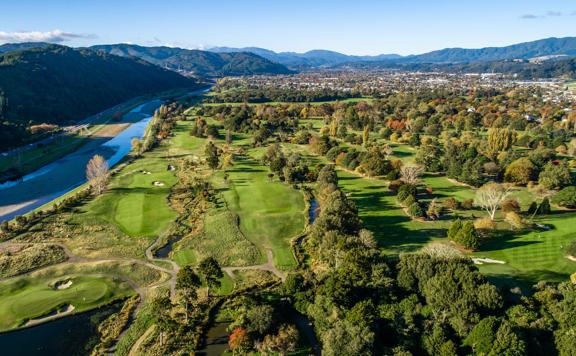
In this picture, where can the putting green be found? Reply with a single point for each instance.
(134, 203)
(26, 298)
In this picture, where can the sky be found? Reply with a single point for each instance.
(361, 27)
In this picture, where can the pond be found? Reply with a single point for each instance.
(71, 335)
(216, 340)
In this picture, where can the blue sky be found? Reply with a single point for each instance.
(353, 26)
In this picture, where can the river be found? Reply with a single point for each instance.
(61, 176)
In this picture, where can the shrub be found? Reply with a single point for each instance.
(484, 224)
(464, 234)
(566, 197)
(415, 210)
(467, 204)
(395, 185)
(532, 208)
(509, 205)
(544, 207)
(451, 203)
(408, 201)
(409, 188)
(515, 220)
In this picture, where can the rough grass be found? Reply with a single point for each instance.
(22, 259)
(222, 239)
(25, 298)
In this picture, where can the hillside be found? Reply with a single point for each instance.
(58, 84)
(198, 62)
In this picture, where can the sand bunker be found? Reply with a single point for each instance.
(481, 261)
(158, 184)
(63, 285)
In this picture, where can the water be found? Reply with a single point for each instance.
(119, 144)
(216, 340)
(165, 250)
(65, 174)
(313, 210)
(67, 336)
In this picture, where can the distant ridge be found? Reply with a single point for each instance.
(314, 58)
(323, 58)
(202, 63)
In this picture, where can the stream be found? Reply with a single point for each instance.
(313, 210)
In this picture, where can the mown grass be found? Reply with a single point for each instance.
(133, 202)
(534, 255)
(270, 213)
(25, 298)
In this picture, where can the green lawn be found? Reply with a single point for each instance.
(536, 255)
(28, 297)
(270, 213)
(133, 202)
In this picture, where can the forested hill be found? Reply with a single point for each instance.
(201, 63)
(522, 69)
(58, 84)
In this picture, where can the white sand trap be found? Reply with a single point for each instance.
(158, 184)
(65, 285)
(571, 258)
(481, 261)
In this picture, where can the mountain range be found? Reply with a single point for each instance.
(314, 58)
(322, 58)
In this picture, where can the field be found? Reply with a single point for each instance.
(25, 298)
(133, 202)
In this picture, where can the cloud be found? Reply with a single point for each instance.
(548, 14)
(529, 17)
(54, 36)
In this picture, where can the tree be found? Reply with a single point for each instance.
(521, 171)
(136, 146)
(365, 135)
(490, 196)
(212, 157)
(411, 173)
(97, 174)
(228, 137)
(498, 140)
(285, 341)
(555, 176)
(211, 272)
(239, 341)
(188, 282)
